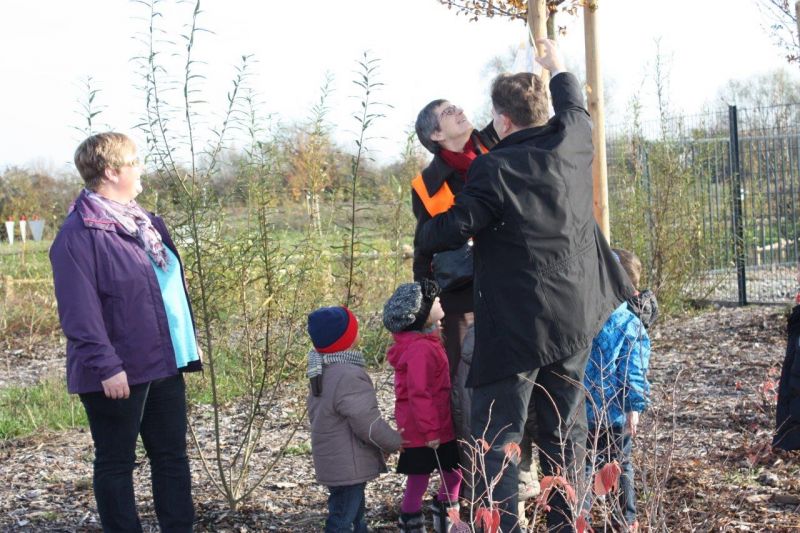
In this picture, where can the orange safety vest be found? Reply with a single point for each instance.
(439, 202)
(443, 199)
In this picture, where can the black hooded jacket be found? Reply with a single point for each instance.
(787, 432)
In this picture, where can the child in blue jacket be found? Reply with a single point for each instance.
(616, 378)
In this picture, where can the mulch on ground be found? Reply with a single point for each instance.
(703, 447)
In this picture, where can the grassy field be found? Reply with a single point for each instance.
(29, 324)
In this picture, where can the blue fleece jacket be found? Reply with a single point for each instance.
(616, 375)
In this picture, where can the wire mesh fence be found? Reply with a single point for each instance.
(710, 202)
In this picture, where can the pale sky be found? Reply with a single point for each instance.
(425, 51)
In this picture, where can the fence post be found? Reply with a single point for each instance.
(736, 196)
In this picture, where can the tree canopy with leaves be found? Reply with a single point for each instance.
(782, 16)
(515, 9)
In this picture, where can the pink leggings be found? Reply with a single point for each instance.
(417, 484)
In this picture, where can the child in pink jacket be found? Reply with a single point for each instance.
(422, 402)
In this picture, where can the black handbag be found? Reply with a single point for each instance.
(453, 269)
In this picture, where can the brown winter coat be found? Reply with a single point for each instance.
(348, 434)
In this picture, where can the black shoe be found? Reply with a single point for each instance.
(411, 523)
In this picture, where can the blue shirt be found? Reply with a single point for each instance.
(181, 329)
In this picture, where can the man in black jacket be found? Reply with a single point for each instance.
(545, 277)
(445, 131)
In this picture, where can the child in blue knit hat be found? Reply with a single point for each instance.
(348, 435)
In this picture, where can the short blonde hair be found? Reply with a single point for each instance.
(631, 264)
(100, 152)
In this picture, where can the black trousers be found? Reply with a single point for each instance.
(157, 412)
(500, 411)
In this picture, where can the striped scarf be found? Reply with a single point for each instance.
(317, 360)
(133, 221)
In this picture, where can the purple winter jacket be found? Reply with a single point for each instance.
(109, 302)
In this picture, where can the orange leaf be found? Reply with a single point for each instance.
(483, 444)
(582, 525)
(511, 450)
(548, 483)
(607, 478)
(569, 492)
(489, 519)
(454, 515)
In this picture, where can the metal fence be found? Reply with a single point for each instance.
(721, 187)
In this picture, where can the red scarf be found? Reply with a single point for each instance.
(460, 160)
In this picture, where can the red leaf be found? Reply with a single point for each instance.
(582, 525)
(548, 483)
(569, 492)
(489, 519)
(607, 478)
(454, 515)
(511, 450)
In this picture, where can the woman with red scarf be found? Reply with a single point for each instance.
(448, 134)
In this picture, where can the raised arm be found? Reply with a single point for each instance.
(564, 87)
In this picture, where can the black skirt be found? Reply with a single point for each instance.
(423, 460)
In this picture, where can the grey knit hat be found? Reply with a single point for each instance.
(409, 306)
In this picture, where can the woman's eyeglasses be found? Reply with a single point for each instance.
(449, 110)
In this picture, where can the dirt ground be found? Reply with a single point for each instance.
(703, 449)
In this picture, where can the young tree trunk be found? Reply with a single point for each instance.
(551, 26)
(594, 81)
(316, 213)
(797, 19)
(537, 25)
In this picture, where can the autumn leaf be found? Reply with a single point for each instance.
(569, 491)
(489, 519)
(453, 515)
(550, 483)
(512, 450)
(582, 525)
(607, 478)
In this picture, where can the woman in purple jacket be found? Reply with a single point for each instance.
(125, 312)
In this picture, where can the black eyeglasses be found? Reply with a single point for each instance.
(449, 110)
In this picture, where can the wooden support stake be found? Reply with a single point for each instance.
(594, 90)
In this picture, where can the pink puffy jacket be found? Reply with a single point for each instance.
(421, 388)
